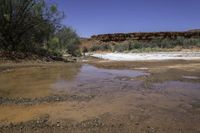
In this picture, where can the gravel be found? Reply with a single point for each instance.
(48, 99)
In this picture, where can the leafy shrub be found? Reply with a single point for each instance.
(65, 40)
(153, 45)
(26, 24)
(122, 47)
(102, 47)
(53, 43)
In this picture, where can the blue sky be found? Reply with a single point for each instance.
(89, 17)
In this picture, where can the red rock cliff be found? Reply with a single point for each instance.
(117, 37)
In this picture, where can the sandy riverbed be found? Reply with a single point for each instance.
(107, 97)
(148, 56)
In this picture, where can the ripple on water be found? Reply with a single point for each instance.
(33, 82)
(93, 77)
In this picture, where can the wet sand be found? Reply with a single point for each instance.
(101, 96)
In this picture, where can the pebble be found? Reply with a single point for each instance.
(58, 125)
(54, 98)
(137, 123)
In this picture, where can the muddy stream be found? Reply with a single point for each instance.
(97, 96)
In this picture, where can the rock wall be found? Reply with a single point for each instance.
(144, 36)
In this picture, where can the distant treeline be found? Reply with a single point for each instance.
(34, 26)
(153, 45)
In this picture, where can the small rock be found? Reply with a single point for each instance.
(58, 99)
(137, 123)
(58, 124)
(37, 121)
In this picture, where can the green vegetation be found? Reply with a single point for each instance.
(65, 40)
(101, 47)
(33, 27)
(147, 46)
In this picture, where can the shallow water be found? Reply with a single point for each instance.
(161, 97)
(43, 81)
(178, 85)
(34, 81)
(91, 77)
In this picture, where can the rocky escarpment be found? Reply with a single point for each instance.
(144, 36)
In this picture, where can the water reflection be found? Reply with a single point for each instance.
(93, 78)
(35, 81)
(43, 81)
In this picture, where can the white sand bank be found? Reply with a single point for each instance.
(148, 56)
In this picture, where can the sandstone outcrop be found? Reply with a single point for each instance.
(144, 36)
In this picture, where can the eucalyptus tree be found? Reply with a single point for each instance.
(27, 24)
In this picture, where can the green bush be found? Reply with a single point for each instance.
(26, 25)
(101, 47)
(153, 45)
(138, 45)
(65, 41)
(122, 47)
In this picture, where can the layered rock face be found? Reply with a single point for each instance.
(144, 36)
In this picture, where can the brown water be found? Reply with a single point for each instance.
(34, 81)
(43, 81)
(91, 78)
(159, 99)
